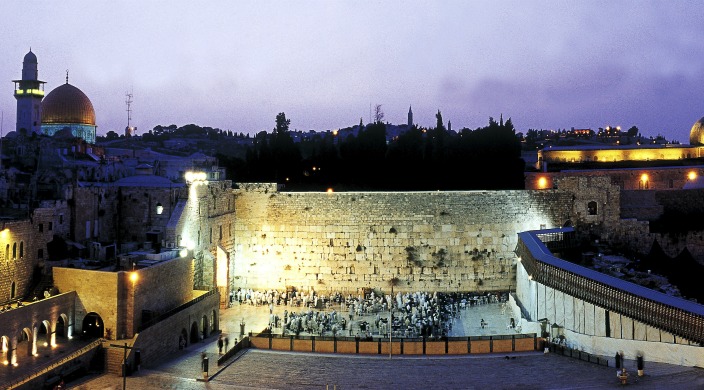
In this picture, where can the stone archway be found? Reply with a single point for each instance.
(194, 333)
(62, 326)
(24, 336)
(204, 327)
(93, 325)
(43, 334)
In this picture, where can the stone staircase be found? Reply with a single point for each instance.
(113, 360)
(44, 284)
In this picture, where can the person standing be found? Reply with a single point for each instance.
(227, 343)
(220, 342)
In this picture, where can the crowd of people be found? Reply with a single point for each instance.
(365, 314)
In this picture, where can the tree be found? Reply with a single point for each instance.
(282, 124)
(378, 114)
(111, 135)
(440, 125)
(633, 131)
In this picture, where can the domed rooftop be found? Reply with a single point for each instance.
(696, 135)
(30, 57)
(67, 104)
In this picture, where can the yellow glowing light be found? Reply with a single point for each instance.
(5, 362)
(519, 259)
(329, 191)
(692, 175)
(530, 277)
(195, 176)
(4, 233)
(542, 182)
(183, 253)
(134, 277)
(644, 177)
(46, 344)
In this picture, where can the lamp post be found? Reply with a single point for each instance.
(392, 282)
(391, 318)
(124, 363)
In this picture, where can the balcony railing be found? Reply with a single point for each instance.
(677, 316)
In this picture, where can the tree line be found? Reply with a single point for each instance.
(418, 159)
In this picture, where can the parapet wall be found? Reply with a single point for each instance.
(430, 241)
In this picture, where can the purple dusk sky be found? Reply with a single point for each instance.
(235, 64)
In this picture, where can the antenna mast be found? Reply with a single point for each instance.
(128, 101)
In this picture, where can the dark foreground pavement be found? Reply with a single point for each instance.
(257, 369)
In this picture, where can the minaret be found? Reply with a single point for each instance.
(410, 117)
(29, 93)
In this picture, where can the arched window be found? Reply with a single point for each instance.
(7, 252)
(592, 208)
(14, 250)
(644, 182)
(21, 249)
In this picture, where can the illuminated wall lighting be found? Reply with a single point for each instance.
(542, 182)
(195, 177)
(692, 175)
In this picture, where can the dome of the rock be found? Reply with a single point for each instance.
(67, 104)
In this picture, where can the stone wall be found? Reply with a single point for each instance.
(445, 241)
(18, 258)
(160, 341)
(206, 225)
(641, 207)
(122, 214)
(163, 286)
(656, 178)
(98, 292)
(120, 300)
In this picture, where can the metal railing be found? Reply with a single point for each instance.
(52, 366)
(677, 316)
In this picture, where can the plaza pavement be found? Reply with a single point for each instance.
(261, 369)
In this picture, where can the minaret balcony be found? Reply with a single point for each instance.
(29, 92)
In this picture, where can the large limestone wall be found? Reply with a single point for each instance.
(444, 241)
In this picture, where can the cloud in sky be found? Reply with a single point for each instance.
(235, 65)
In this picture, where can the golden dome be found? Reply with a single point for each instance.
(67, 104)
(696, 135)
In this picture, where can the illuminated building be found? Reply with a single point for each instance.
(667, 167)
(66, 108)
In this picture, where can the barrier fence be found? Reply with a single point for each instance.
(398, 346)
